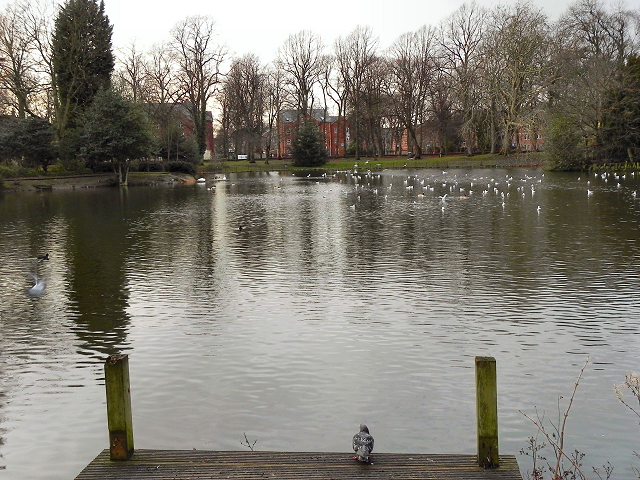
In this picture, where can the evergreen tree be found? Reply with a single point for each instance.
(29, 141)
(564, 147)
(82, 59)
(117, 131)
(621, 123)
(308, 147)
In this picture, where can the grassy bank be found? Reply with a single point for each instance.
(380, 163)
(57, 180)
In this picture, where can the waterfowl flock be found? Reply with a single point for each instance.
(522, 188)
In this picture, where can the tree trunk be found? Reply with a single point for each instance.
(123, 173)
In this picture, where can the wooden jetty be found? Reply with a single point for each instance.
(209, 465)
(122, 462)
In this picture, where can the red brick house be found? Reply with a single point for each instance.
(426, 134)
(528, 141)
(186, 121)
(335, 129)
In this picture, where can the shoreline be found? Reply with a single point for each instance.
(136, 179)
(98, 180)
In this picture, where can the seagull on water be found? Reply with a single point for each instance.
(38, 287)
(362, 444)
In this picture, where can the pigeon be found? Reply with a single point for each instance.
(362, 444)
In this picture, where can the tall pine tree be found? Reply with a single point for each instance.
(82, 59)
(621, 119)
(309, 146)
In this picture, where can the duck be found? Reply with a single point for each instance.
(43, 257)
(362, 444)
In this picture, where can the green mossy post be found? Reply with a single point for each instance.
(116, 372)
(487, 412)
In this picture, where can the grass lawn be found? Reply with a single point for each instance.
(380, 163)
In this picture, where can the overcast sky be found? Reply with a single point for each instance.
(261, 26)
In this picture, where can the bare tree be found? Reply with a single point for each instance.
(199, 60)
(355, 56)
(20, 69)
(163, 96)
(274, 99)
(132, 76)
(411, 66)
(301, 59)
(244, 90)
(594, 44)
(517, 50)
(375, 106)
(461, 43)
(38, 22)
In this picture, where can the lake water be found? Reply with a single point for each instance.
(344, 299)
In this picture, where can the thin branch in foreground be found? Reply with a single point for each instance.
(247, 443)
(558, 444)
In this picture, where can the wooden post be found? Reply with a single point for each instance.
(116, 372)
(487, 412)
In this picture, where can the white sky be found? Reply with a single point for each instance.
(261, 27)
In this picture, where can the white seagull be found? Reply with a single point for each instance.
(38, 287)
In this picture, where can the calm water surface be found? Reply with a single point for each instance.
(345, 299)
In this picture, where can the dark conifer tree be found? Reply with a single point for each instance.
(621, 123)
(309, 146)
(82, 59)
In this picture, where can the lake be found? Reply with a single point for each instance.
(344, 299)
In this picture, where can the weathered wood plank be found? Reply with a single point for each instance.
(487, 412)
(207, 465)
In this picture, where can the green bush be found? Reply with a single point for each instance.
(6, 172)
(102, 167)
(56, 169)
(564, 146)
(148, 166)
(180, 167)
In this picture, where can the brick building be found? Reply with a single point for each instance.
(335, 129)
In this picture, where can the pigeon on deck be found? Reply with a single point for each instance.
(362, 444)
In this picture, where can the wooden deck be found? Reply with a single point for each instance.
(203, 465)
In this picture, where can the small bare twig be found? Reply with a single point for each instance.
(632, 382)
(247, 443)
(608, 470)
(556, 439)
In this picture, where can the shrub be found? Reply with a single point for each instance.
(149, 166)
(180, 167)
(564, 147)
(102, 167)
